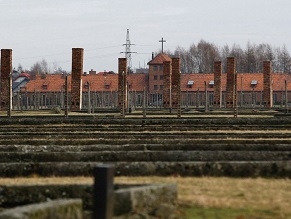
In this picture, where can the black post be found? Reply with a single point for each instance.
(103, 192)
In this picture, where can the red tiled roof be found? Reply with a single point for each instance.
(138, 81)
(159, 59)
(198, 81)
(23, 74)
(54, 83)
(98, 82)
(244, 81)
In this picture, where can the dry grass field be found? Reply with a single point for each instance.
(207, 197)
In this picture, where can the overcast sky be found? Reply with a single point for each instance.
(49, 29)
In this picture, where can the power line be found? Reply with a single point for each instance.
(127, 51)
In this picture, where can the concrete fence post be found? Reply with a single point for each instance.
(66, 98)
(103, 196)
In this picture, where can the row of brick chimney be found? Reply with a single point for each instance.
(171, 81)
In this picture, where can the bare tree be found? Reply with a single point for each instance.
(200, 57)
(20, 68)
(284, 60)
(238, 53)
(249, 58)
(39, 68)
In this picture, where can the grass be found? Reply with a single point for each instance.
(228, 213)
(208, 197)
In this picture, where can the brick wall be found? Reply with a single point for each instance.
(167, 85)
(217, 84)
(176, 83)
(6, 69)
(156, 80)
(230, 82)
(267, 87)
(122, 79)
(76, 85)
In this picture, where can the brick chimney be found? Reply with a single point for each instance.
(217, 84)
(122, 88)
(167, 84)
(230, 82)
(176, 83)
(6, 69)
(76, 85)
(268, 91)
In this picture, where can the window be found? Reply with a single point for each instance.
(139, 99)
(86, 85)
(190, 84)
(45, 85)
(155, 67)
(161, 68)
(155, 87)
(254, 83)
(161, 87)
(211, 83)
(161, 77)
(107, 85)
(155, 77)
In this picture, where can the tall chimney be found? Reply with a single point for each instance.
(76, 85)
(6, 69)
(230, 82)
(268, 91)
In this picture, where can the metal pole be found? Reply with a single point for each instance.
(103, 195)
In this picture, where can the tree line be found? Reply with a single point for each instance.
(41, 67)
(200, 57)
